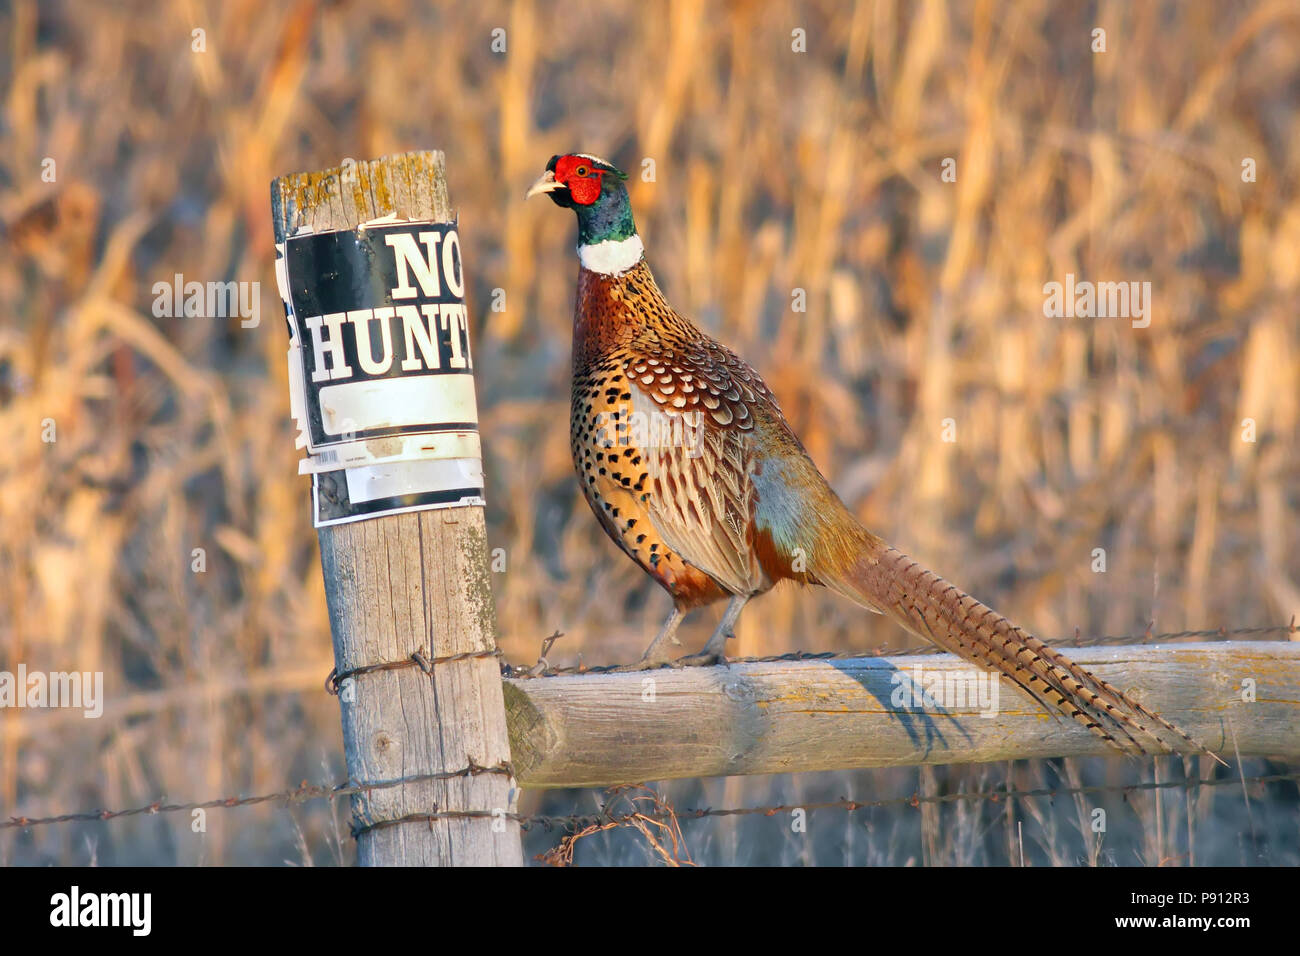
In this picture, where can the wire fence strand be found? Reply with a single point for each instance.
(299, 794)
(544, 669)
(305, 792)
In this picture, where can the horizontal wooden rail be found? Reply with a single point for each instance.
(790, 716)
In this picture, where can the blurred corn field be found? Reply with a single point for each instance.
(798, 153)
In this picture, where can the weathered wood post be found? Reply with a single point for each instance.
(382, 388)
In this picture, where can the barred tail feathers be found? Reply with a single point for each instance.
(887, 580)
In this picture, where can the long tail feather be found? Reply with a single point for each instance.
(924, 603)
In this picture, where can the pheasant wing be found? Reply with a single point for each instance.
(696, 404)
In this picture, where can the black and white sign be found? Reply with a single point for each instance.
(381, 369)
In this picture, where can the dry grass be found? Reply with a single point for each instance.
(775, 170)
(635, 808)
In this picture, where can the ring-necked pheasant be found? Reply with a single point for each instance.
(691, 468)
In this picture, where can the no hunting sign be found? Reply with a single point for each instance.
(380, 368)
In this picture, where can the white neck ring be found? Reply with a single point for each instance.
(612, 257)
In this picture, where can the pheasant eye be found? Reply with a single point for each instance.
(581, 170)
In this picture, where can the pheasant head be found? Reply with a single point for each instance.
(596, 191)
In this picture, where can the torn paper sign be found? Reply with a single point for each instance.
(353, 494)
(380, 367)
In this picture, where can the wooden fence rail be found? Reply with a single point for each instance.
(1240, 698)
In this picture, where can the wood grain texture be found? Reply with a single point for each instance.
(411, 582)
(786, 717)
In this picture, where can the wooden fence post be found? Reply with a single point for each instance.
(414, 585)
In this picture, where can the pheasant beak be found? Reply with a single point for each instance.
(547, 183)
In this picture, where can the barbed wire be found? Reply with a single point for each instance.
(305, 792)
(577, 821)
(300, 794)
(544, 669)
(334, 682)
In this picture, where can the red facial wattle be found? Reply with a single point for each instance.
(582, 178)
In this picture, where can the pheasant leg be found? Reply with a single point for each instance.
(715, 650)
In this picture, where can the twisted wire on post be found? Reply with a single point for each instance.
(335, 679)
